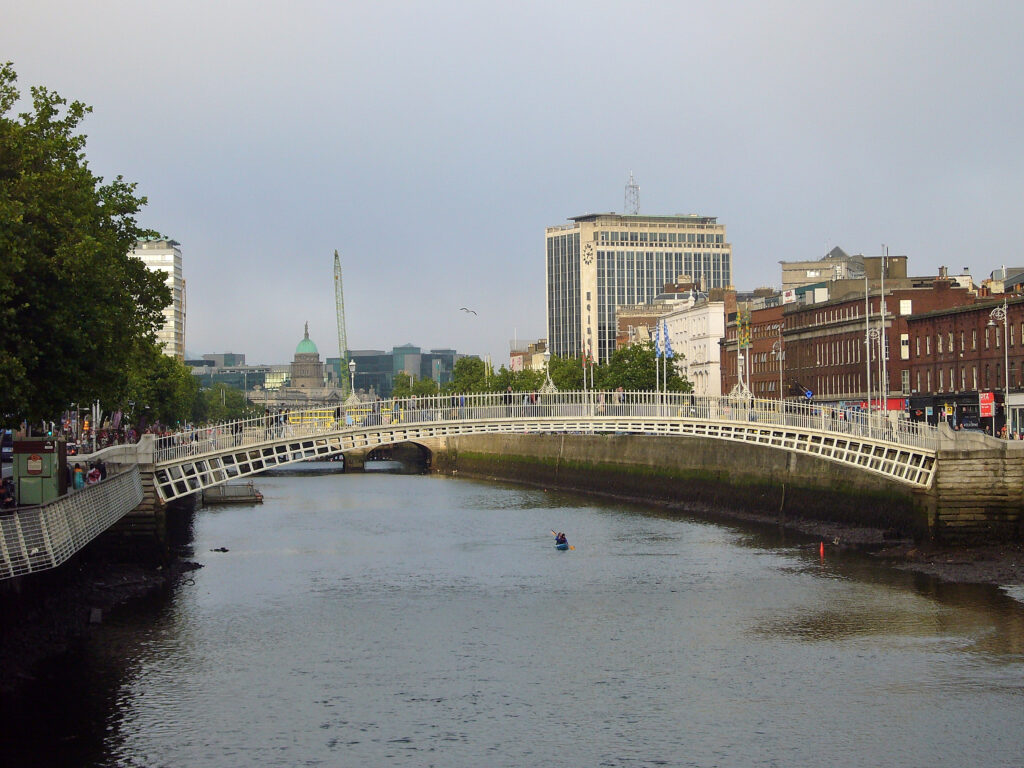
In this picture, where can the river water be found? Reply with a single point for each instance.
(378, 620)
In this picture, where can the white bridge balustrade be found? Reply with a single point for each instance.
(189, 461)
(35, 539)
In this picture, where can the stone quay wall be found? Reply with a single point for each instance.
(977, 494)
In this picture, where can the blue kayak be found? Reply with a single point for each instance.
(562, 546)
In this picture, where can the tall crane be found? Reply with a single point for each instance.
(339, 302)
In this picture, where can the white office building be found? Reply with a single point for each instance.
(605, 260)
(162, 255)
(695, 330)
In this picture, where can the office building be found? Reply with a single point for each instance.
(164, 255)
(603, 261)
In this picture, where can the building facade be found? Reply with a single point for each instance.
(696, 329)
(164, 255)
(602, 261)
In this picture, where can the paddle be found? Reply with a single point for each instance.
(571, 547)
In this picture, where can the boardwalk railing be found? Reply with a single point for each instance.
(592, 410)
(35, 539)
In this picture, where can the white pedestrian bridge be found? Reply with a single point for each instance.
(192, 460)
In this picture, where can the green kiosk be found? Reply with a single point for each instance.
(40, 470)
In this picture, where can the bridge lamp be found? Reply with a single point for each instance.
(352, 374)
(999, 315)
(777, 351)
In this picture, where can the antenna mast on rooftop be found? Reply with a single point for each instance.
(631, 206)
(339, 303)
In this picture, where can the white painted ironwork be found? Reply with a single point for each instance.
(35, 539)
(190, 461)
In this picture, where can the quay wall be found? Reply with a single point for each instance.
(693, 473)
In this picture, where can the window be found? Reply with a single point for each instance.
(974, 339)
(938, 343)
(928, 348)
(904, 346)
(917, 346)
(905, 381)
(951, 342)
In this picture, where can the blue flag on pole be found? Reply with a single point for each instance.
(668, 342)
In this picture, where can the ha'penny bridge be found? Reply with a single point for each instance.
(969, 483)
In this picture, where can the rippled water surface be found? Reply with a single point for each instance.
(377, 620)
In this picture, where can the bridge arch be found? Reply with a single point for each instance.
(191, 461)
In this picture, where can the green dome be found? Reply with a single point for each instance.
(306, 347)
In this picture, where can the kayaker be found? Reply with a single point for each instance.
(560, 538)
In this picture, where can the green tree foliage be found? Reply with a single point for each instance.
(566, 373)
(160, 388)
(222, 403)
(632, 368)
(470, 374)
(73, 304)
(401, 385)
(424, 388)
(520, 381)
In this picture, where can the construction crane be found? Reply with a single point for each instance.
(339, 302)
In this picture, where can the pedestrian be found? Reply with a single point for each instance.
(79, 476)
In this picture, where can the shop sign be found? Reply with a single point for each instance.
(34, 464)
(985, 404)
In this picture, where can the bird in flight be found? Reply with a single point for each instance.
(464, 309)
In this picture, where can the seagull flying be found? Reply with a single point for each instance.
(464, 309)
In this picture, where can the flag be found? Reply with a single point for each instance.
(668, 342)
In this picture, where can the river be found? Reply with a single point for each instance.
(377, 620)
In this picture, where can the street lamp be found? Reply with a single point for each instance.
(777, 351)
(549, 385)
(999, 315)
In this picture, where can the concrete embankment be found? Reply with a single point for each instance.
(693, 474)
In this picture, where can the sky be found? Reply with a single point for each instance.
(432, 143)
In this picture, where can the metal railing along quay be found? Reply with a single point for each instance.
(595, 411)
(35, 539)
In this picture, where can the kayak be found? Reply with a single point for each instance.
(562, 546)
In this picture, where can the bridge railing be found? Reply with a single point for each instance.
(588, 411)
(38, 538)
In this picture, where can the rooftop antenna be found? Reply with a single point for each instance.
(631, 207)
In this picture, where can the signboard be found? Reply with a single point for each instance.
(34, 464)
(788, 297)
(986, 402)
(949, 409)
(928, 411)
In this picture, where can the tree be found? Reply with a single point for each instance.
(424, 387)
(469, 375)
(401, 385)
(161, 388)
(566, 372)
(73, 303)
(222, 403)
(632, 368)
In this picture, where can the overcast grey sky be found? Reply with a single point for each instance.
(431, 143)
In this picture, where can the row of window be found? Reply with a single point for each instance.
(662, 237)
(944, 342)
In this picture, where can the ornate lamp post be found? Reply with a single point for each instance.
(353, 399)
(548, 386)
(999, 315)
(777, 351)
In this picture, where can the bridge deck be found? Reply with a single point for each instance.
(191, 461)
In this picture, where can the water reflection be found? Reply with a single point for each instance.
(390, 619)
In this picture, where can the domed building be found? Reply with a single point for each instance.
(307, 369)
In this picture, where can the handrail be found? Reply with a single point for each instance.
(38, 538)
(593, 406)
